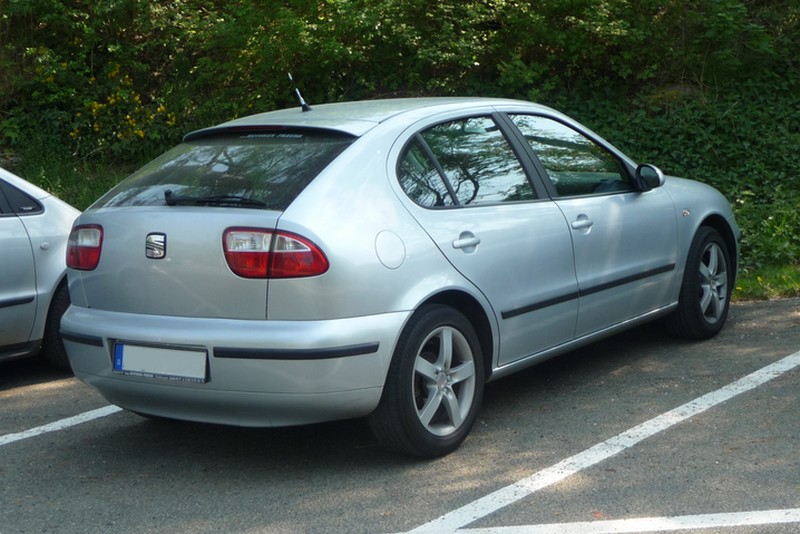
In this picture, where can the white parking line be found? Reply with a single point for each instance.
(512, 493)
(461, 517)
(653, 524)
(59, 425)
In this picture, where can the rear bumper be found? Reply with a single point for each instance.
(258, 373)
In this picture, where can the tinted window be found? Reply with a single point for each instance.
(477, 163)
(18, 202)
(270, 169)
(575, 164)
(5, 209)
(420, 179)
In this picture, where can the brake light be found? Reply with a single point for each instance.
(260, 253)
(84, 246)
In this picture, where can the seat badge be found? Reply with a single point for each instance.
(155, 246)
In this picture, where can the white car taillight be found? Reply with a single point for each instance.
(84, 246)
(260, 253)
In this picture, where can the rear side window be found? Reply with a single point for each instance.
(420, 179)
(12, 200)
(255, 169)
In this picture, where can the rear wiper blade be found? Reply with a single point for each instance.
(214, 200)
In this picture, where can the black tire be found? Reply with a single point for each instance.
(432, 396)
(52, 344)
(706, 288)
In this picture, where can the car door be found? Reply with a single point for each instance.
(625, 240)
(476, 202)
(17, 278)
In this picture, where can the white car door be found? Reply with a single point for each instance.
(625, 255)
(476, 202)
(625, 241)
(17, 280)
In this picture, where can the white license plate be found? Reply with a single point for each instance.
(174, 364)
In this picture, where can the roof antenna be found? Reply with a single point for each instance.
(303, 104)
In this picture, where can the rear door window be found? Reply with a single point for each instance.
(463, 162)
(252, 169)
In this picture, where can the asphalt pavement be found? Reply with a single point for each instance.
(541, 457)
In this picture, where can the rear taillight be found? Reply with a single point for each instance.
(259, 253)
(84, 246)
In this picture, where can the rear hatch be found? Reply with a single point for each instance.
(162, 234)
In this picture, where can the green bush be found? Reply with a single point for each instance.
(703, 89)
(742, 141)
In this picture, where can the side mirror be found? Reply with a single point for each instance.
(649, 177)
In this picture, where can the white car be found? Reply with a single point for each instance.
(34, 227)
(381, 259)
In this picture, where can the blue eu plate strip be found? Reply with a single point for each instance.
(118, 349)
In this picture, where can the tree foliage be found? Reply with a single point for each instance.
(120, 75)
(703, 88)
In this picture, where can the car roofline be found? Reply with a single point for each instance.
(353, 118)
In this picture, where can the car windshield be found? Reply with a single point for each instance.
(265, 170)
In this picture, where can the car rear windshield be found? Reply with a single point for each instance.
(251, 169)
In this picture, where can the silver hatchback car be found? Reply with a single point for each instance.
(381, 259)
(34, 227)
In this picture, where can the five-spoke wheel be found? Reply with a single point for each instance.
(706, 288)
(434, 387)
(713, 291)
(444, 381)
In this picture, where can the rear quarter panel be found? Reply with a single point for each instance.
(380, 259)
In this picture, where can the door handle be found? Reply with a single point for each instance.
(467, 242)
(583, 222)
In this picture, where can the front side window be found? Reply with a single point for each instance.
(255, 169)
(575, 164)
(474, 164)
